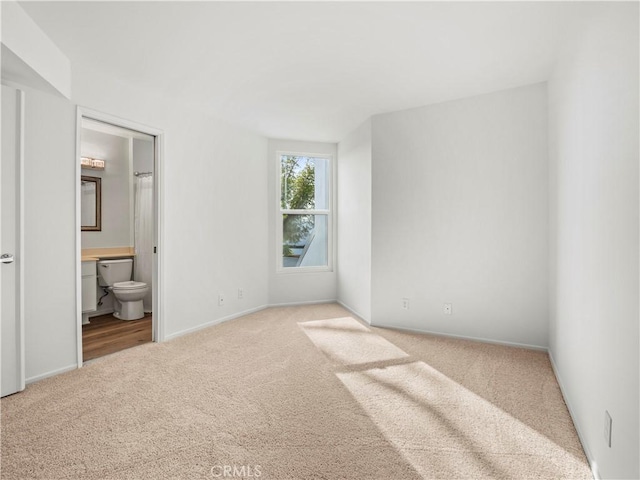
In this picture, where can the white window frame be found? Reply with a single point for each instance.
(328, 212)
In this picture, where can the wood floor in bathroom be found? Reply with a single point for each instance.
(106, 334)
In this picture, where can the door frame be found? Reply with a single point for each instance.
(157, 287)
(19, 253)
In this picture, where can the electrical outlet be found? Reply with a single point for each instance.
(447, 309)
(607, 428)
(221, 299)
(405, 304)
(240, 293)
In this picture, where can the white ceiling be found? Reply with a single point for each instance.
(310, 71)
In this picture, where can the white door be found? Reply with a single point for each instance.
(11, 307)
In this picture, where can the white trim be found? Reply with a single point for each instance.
(463, 337)
(320, 302)
(355, 312)
(581, 437)
(52, 373)
(158, 295)
(215, 322)
(78, 243)
(305, 212)
(329, 268)
(301, 270)
(218, 321)
(157, 283)
(118, 121)
(21, 235)
(310, 302)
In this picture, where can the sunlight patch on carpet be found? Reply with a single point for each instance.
(346, 341)
(438, 425)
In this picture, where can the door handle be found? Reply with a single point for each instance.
(6, 258)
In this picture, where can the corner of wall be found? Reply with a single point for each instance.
(31, 57)
(595, 236)
(354, 221)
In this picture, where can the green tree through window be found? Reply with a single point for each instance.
(298, 193)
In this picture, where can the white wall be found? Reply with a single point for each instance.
(354, 221)
(294, 287)
(214, 176)
(594, 154)
(142, 155)
(215, 219)
(117, 219)
(460, 216)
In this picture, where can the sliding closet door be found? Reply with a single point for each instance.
(11, 314)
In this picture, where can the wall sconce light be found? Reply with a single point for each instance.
(92, 163)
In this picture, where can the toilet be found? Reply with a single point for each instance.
(128, 295)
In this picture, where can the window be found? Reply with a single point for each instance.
(304, 213)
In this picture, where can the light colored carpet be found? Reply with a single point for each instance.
(298, 392)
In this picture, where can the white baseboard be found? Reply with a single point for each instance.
(217, 321)
(310, 302)
(241, 314)
(355, 312)
(590, 459)
(464, 337)
(52, 373)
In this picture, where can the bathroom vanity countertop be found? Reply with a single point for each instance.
(95, 254)
(95, 258)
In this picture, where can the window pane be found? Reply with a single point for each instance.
(304, 183)
(304, 240)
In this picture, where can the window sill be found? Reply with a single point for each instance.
(295, 270)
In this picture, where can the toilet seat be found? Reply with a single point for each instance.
(128, 285)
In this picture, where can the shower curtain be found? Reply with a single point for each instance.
(144, 235)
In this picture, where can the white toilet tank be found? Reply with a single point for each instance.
(113, 271)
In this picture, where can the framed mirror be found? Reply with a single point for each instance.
(90, 204)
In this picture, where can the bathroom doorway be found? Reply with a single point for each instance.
(118, 210)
